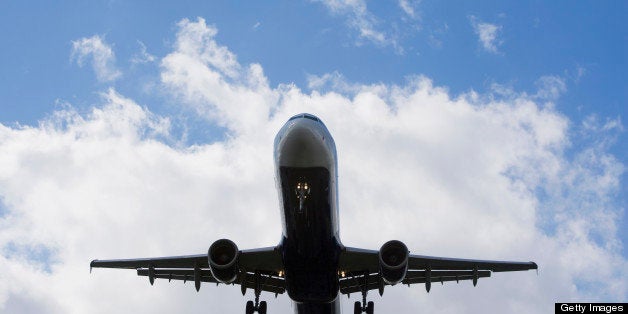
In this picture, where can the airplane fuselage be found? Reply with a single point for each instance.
(306, 177)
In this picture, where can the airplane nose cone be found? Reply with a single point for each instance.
(305, 143)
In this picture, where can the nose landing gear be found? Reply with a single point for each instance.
(302, 190)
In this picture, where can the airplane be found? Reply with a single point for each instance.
(310, 262)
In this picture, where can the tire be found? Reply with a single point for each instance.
(370, 308)
(262, 307)
(249, 307)
(357, 307)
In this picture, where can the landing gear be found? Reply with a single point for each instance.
(303, 191)
(369, 309)
(359, 307)
(259, 307)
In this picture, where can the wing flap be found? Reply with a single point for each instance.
(178, 274)
(412, 274)
(268, 283)
(445, 277)
(354, 284)
(188, 261)
(445, 263)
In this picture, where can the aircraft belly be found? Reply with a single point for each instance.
(312, 286)
(307, 208)
(310, 248)
(317, 308)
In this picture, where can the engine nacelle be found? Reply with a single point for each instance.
(393, 261)
(223, 260)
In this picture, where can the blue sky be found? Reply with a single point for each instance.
(549, 77)
(585, 43)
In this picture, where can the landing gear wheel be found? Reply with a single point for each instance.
(257, 306)
(249, 307)
(370, 308)
(262, 307)
(357, 307)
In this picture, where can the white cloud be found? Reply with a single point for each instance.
(143, 56)
(360, 18)
(461, 176)
(101, 55)
(550, 87)
(336, 82)
(409, 8)
(207, 77)
(487, 34)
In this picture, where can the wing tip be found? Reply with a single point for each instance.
(91, 265)
(534, 265)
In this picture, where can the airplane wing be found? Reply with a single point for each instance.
(265, 263)
(361, 270)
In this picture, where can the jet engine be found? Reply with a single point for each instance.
(393, 261)
(223, 260)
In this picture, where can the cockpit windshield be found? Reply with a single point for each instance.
(305, 115)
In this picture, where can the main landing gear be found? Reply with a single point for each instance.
(259, 307)
(357, 308)
(369, 307)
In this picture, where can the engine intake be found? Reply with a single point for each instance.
(393, 261)
(222, 257)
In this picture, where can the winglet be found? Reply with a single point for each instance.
(91, 265)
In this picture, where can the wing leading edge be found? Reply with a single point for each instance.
(360, 270)
(262, 265)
